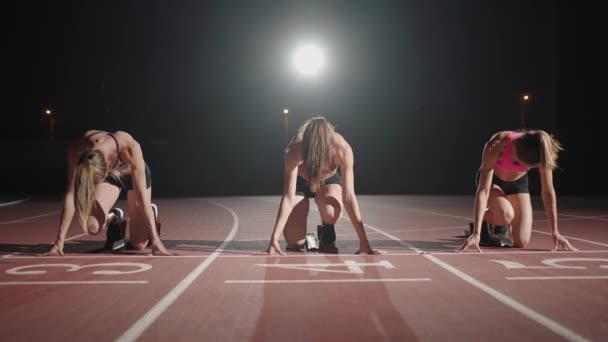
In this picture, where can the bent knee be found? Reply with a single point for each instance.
(139, 246)
(521, 243)
(294, 239)
(330, 213)
(93, 227)
(503, 216)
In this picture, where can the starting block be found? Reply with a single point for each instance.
(311, 243)
(122, 244)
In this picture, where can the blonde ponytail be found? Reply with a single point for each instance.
(91, 170)
(549, 148)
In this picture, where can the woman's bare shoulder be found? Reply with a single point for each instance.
(340, 142)
(124, 135)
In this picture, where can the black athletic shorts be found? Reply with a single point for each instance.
(126, 183)
(303, 188)
(518, 186)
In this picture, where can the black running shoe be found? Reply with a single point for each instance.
(115, 232)
(327, 238)
(500, 236)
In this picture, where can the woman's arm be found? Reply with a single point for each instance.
(67, 212)
(491, 151)
(287, 200)
(350, 199)
(133, 156)
(550, 203)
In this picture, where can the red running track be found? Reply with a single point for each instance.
(219, 288)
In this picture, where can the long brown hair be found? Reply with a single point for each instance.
(91, 170)
(537, 147)
(317, 143)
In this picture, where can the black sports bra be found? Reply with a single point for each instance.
(87, 141)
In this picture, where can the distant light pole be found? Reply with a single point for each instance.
(524, 101)
(49, 114)
(286, 125)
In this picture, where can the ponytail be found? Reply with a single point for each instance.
(549, 148)
(91, 170)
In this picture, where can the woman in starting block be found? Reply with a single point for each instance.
(503, 209)
(99, 167)
(311, 164)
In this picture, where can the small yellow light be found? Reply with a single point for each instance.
(526, 97)
(47, 112)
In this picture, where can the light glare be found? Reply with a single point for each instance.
(309, 60)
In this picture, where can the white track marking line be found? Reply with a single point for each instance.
(309, 281)
(574, 238)
(558, 278)
(68, 239)
(538, 231)
(97, 282)
(508, 301)
(303, 255)
(138, 328)
(593, 217)
(6, 204)
(29, 218)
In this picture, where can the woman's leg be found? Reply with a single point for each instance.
(521, 224)
(295, 228)
(329, 202)
(106, 195)
(501, 210)
(138, 223)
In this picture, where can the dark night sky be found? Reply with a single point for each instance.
(416, 87)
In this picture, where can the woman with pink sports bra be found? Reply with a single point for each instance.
(503, 200)
(100, 166)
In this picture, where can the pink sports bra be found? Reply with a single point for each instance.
(506, 163)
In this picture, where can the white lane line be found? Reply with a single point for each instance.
(50, 243)
(309, 281)
(593, 217)
(508, 301)
(302, 255)
(534, 230)
(6, 204)
(31, 217)
(486, 252)
(574, 238)
(558, 278)
(138, 328)
(98, 282)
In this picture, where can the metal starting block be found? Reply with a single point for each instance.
(312, 243)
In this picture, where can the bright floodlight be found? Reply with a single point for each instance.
(47, 112)
(285, 111)
(526, 97)
(309, 60)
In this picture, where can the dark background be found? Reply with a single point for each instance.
(416, 87)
